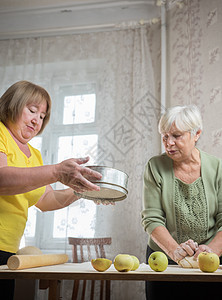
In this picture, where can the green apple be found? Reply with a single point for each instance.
(208, 262)
(123, 262)
(136, 263)
(158, 261)
(101, 264)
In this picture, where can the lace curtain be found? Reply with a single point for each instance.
(127, 67)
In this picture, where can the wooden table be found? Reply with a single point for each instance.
(73, 271)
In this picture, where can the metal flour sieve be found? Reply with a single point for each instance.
(113, 185)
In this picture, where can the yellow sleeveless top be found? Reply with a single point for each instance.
(14, 208)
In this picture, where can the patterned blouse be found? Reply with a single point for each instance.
(191, 211)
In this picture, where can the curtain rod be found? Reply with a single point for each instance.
(76, 29)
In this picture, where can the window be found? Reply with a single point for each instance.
(30, 229)
(79, 109)
(76, 220)
(78, 145)
(72, 132)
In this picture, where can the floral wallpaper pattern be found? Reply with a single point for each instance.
(195, 64)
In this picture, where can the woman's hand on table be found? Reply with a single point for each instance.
(71, 173)
(202, 248)
(190, 248)
(187, 248)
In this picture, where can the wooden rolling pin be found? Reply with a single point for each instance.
(18, 262)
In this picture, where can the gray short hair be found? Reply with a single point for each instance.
(185, 118)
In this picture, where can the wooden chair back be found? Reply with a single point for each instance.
(95, 247)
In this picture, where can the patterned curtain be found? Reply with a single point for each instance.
(127, 64)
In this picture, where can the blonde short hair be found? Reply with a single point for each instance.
(20, 94)
(185, 118)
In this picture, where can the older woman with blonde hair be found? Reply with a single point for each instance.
(182, 202)
(24, 181)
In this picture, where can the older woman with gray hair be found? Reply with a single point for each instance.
(182, 202)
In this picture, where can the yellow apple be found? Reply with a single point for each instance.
(158, 261)
(208, 262)
(101, 264)
(123, 262)
(136, 263)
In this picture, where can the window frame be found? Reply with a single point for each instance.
(44, 220)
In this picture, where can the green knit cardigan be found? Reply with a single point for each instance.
(159, 196)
